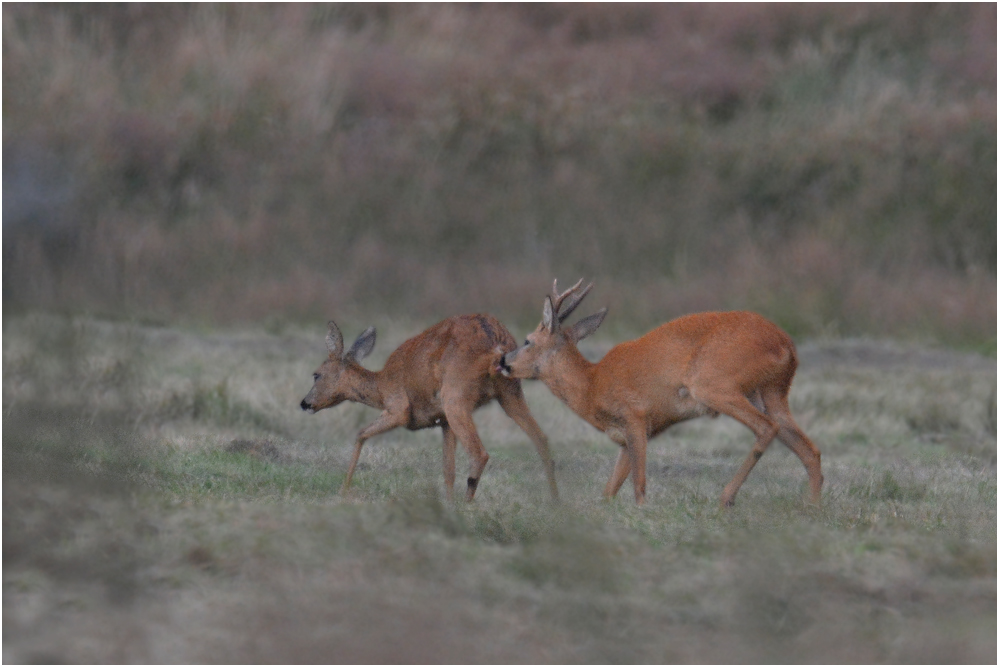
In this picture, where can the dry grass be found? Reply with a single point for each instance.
(165, 500)
(834, 167)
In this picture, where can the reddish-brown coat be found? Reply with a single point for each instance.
(437, 378)
(737, 363)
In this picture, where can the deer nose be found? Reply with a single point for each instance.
(304, 406)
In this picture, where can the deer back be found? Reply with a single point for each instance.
(464, 349)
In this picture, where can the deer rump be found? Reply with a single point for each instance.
(462, 350)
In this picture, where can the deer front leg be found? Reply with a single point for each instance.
(636, 448)
(622, 468)
(385, 422)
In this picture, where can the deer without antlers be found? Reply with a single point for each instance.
(435, 379)
(737, 363)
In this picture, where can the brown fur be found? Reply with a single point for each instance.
(737, 363)
(437, 378)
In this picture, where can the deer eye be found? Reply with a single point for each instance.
(315, 377)
(527, 343)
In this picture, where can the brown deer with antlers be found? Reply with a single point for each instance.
(737, 363)
(436, 379)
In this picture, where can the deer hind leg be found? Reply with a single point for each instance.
(631, 459)
(792, 436)
(514, 405)
(449, 461)
(740, 408)
(459, 417)
(465, 430)
(383, 423)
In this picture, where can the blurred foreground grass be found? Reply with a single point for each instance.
(165, 500)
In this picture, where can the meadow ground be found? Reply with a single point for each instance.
(166, 501)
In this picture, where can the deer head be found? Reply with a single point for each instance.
(534, 359)
(335, 381)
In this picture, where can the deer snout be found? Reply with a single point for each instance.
(307, 407)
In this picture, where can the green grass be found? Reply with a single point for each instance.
(138, 529)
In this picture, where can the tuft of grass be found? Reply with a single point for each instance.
(214, 403)
(885, 487)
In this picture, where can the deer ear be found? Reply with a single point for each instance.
(548, 316)
(588, 325)
(362, 346)
(334, 339)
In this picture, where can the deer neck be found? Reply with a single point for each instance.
(365, 388)
(570, 378)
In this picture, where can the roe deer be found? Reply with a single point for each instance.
(737, 363)
(435, 379)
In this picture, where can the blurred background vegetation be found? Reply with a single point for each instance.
(831, 166)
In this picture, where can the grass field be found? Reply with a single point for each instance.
(190, 191)
(166, 501)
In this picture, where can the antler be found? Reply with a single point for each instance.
(574, 301)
